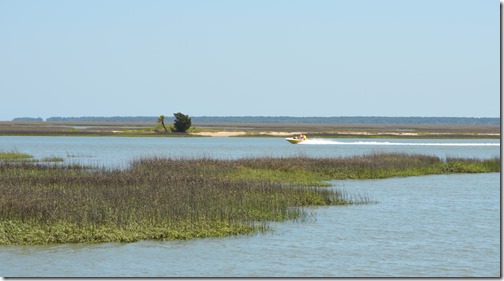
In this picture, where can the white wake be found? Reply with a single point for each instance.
(386, 143)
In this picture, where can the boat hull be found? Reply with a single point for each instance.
(294, 141)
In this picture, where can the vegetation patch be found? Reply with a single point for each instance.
(166, 199)
(23, 157)
(314, 171)
(14, 156)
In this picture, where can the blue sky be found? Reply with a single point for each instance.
(249, 58)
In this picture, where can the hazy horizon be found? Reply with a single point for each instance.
(254, 116)
(321, 58)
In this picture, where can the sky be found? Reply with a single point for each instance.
(433, 58)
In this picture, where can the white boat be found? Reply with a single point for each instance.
(297, 139)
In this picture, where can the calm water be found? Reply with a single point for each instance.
(430, 226)
(119, 151)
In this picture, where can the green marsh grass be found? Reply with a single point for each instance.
(15, 156)
(166, 199)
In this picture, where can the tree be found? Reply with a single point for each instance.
(161, 120)
(182, 122)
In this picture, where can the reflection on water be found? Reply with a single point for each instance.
(430, 226)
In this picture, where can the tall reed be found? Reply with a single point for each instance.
(160, 198)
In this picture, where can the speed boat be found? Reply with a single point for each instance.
(297, 139)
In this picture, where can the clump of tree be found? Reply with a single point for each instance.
(182, 122)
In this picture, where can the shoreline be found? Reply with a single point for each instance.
(9, 128)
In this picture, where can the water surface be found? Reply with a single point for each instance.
(429, 226)
(119, 151)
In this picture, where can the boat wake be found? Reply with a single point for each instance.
(386, 143)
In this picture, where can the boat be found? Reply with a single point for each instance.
(297, 139)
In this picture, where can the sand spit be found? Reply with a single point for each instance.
(243, 133)
(219, 134)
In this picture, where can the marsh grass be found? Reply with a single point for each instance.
(15, 156)
(314, 171)
(167, 199)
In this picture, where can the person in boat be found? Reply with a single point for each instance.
(300, 137)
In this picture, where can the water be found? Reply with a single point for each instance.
(119, 151)
(429, 226)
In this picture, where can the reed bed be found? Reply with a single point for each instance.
(313, 171)
(14, 156)
(164, 199)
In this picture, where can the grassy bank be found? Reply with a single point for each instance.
(186, 198)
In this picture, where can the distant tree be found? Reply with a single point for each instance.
(30, 119)
(161, 119)
(182, 122)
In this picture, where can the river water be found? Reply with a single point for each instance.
(429, 226)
